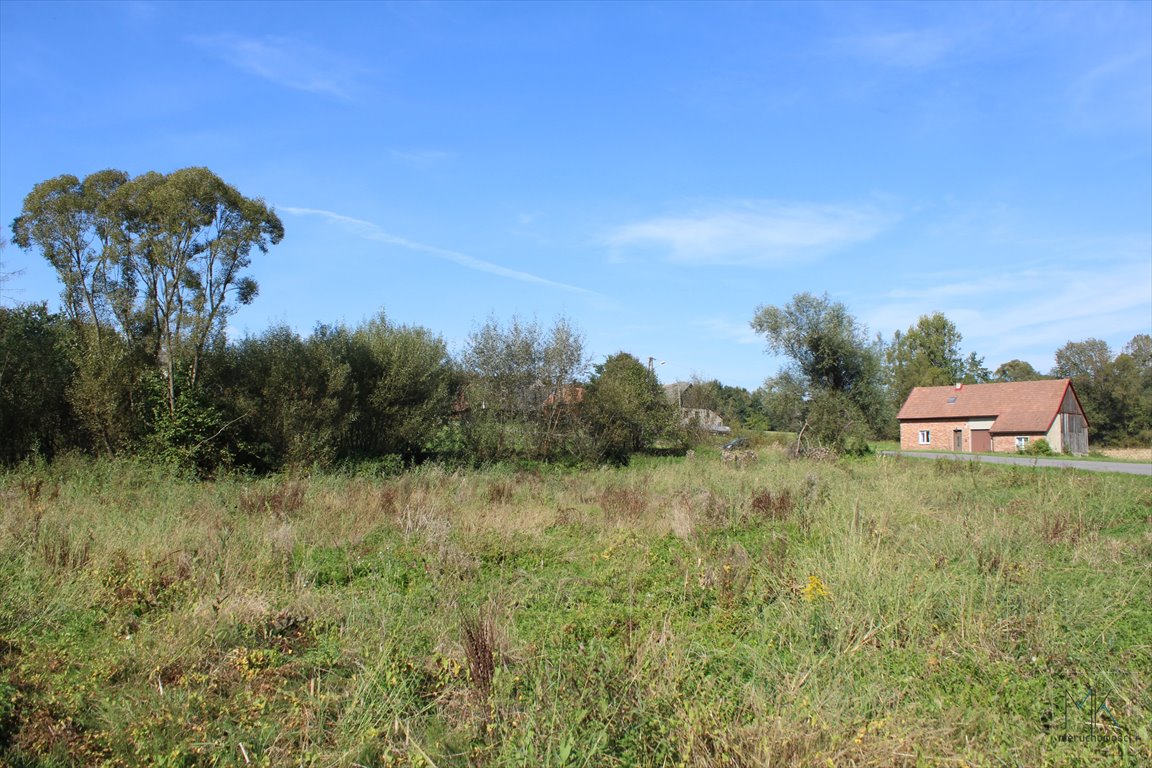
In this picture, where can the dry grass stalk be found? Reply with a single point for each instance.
(478, 635)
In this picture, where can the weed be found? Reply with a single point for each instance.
(1061, 526)
(500, 491)
(478, 635)
(773, 506)
(623, 503)
(63, 550)
(280, 501)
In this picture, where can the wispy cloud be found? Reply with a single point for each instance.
(727, 329)
(285, 61)
(757, 233)
(909, 49)
(369, 231)
(1115, 94)
(1038, 307)
(139, 10)
(421, 157)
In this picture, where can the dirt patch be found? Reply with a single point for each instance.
(1130, 454)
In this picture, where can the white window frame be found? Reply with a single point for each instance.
(925, 437)
(1022, 442)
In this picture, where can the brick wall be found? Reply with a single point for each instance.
(941, 435)
(1007, 443)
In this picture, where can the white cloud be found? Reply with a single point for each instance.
(369, 231)
(286, 62)
(756, 233)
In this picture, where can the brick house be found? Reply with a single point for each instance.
(1003, 417)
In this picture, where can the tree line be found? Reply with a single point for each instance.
(137, 360)
(847, 387)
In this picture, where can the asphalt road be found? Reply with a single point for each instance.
(1029, 461)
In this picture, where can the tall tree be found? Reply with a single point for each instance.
(1115, 391)
(825, 342)
(158, 259)
(405, 384)
(927, 355)
(72, 224)
(520, 385)
(626, 409)
(35, 417)
(1084, 360)
(294, 397)
(1016, 370)
(831, 355)
(1138, 391)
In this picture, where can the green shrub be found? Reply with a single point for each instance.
(1038, 448)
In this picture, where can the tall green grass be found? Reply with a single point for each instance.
(679, 612)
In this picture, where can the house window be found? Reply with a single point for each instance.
(925, 437)
(1021, 443)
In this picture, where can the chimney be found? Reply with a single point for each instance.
(959, 386)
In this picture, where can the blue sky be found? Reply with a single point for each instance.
(652, 171)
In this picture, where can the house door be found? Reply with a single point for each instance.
(981, 441)
(957, 440)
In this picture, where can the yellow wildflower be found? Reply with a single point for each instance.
(815, 589)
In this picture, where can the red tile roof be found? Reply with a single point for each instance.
(1018, 406)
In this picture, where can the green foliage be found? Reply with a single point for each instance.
(831, 355)
(106, 389)
(294, 398)
(340, 395)
(153, 263)
(828, 346)
(1116, 392)
(522, 390)
(835, 421)
(1016, 370)
(406, 384)
(928, 355)
(625, 409)
(185, 436)
(1038, 447)
(782, 401)
(35, 416)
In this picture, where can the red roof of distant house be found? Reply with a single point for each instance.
(569, 394)
(1018, 406)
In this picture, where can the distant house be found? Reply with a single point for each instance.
(697, 418)
(702, 418)
(994, 417)
(568, 395)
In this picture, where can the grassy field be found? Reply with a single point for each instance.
(678, 612)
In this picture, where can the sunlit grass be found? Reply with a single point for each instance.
(679, 611)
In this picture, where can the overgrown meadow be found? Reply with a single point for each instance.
(675, 612)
